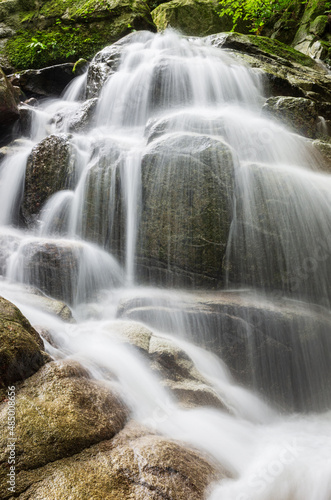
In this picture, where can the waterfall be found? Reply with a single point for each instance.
(186, 211)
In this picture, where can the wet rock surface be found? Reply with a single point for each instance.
(49, 169)
(21, 348)
(261, 341)
(191, 175)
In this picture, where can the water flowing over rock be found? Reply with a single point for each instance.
(298, 113)
(47, 172)
(175, 237)
(187, 190)
(252, 335)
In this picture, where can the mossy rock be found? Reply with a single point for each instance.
(319, 25)
(190, 17)
(21, 348)
(59, 412)
(64, 31)
(187, 183)
(262, 46)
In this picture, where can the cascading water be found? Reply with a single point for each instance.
(176, 124)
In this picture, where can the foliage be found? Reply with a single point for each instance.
(256, 13)
(36, 49)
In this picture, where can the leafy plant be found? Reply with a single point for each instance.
(255, 13)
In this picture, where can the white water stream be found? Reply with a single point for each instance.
(281, 222)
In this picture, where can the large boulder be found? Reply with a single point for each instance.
(49, 169)
(279, 349)
(191, 17)
(296, 112)
(284, 71)
(59, 412)
(134, 464)
(68, 270)
(21, 348)
(187, 184)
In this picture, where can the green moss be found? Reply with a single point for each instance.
(57, 45)
(252, 44)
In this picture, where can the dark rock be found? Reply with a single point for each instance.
(279, 349)
(298, 113)
(45, 82)
(49, 169)
(187, 182)
(8, 105)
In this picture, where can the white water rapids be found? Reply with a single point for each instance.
(271, 455)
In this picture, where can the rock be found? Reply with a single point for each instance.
(180, 376)
(8, 106)
(251, 334)
(324, 148)
(296, 112)
(46, 82)
(309, 23)
(80, 120)
(21, 348)
(319, 25)
(173, 366)
(285, 71)
(134, 464)
(191, 17)
(187, 182)
(59, 412)
(49, 169)
(71, 271)
(107, 61)
(72, 30)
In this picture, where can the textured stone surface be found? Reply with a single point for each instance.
(187, 183)
(59, 412)
(21, 347)
(135, 464)
(49, 169)
(296, 112)
(190, 17)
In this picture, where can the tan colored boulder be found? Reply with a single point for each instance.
(59, 412)
(135, 465)
(21, 348)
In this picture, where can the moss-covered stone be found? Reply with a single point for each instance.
(190, 17)
(262, 46)
(59, 412)
(62, 31)
(21, 347)
(186, 209)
